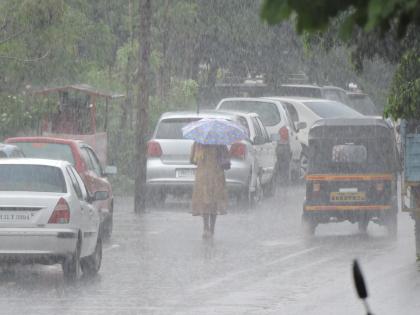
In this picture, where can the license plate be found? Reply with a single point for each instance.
(15, 217)
(187, 172)
(347, 196)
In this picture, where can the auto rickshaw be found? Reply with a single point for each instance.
(352, 175)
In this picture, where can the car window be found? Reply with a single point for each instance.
(263, 130)
(256, 126)
(172, 128)
(268, 112)
(86, 158)
(244, 123)
(45, 150)
(332, 109)
(291, 111)
(79, 180)
(38, 178)
(332, 95)
(75, 184)
(95, 162)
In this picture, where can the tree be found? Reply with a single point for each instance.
(142, 122)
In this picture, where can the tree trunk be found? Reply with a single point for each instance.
(142, 106)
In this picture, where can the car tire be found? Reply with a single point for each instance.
(90, 265)
(308, 225)
(71, 265)
(269, 189)
(108, 225)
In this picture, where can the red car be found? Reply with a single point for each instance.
(84, 160)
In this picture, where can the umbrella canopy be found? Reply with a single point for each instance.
(214, 131)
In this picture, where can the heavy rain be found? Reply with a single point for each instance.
(209, 157)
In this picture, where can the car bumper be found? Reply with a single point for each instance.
(36, 244)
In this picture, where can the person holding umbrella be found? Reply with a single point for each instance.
(210, 154)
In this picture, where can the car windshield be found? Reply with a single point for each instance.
(37, 178)
(331, 109)
(172, 128)
(363, 104)
(268, 112)
(45, 150)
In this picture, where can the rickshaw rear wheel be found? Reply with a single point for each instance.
(391, 224)
(363, 225)
(308, 225)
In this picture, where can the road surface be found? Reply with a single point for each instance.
(258, 263)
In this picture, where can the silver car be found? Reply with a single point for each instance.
(169, 170)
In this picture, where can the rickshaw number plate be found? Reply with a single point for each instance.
(347, 196)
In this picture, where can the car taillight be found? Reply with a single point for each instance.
(154, 149)
(284, 134)
(61, 213)
(238, 151)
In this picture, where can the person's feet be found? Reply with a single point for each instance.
(207, 235)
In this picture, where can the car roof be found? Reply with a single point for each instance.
(253, 99)
(30, 161)
(44, 139)
(201, 114)
(362, 121)
(296, 98)
(302, 85)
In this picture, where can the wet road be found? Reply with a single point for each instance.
(258, 263)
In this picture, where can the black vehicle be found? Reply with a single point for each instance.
(352, 174)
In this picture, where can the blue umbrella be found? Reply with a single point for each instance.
(214, 131)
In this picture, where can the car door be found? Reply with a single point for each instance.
(90, 215)
(259, 146)
(269, 152)
(292, 117)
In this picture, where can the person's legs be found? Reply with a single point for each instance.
(212, 222)
(206, 225)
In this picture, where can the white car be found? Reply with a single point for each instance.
(169, 170)
(279, 125)
(310, 110)
(46, 217)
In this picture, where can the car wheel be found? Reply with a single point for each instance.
(269, 189)
(108, 225)
(91, 264)
(308, 225)
(71, 265)
(254, 197)
(303, 166)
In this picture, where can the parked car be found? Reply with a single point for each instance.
(10, 151)
(46, 216)
(279, 124)
(362, 103)
(328, 92)
(169, 170)
(84, 160)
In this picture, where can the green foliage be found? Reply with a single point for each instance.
(316, 15)
(404, 97)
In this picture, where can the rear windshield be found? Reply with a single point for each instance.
(45, 150)
(38, 178)
(268, 112)
(363, 104)
(304, 91)
(331, 109)
(172, 128)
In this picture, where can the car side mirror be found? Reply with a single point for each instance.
(275, 137)
(300, 125)
(110, 170)
(100, 195)
(259, 140)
